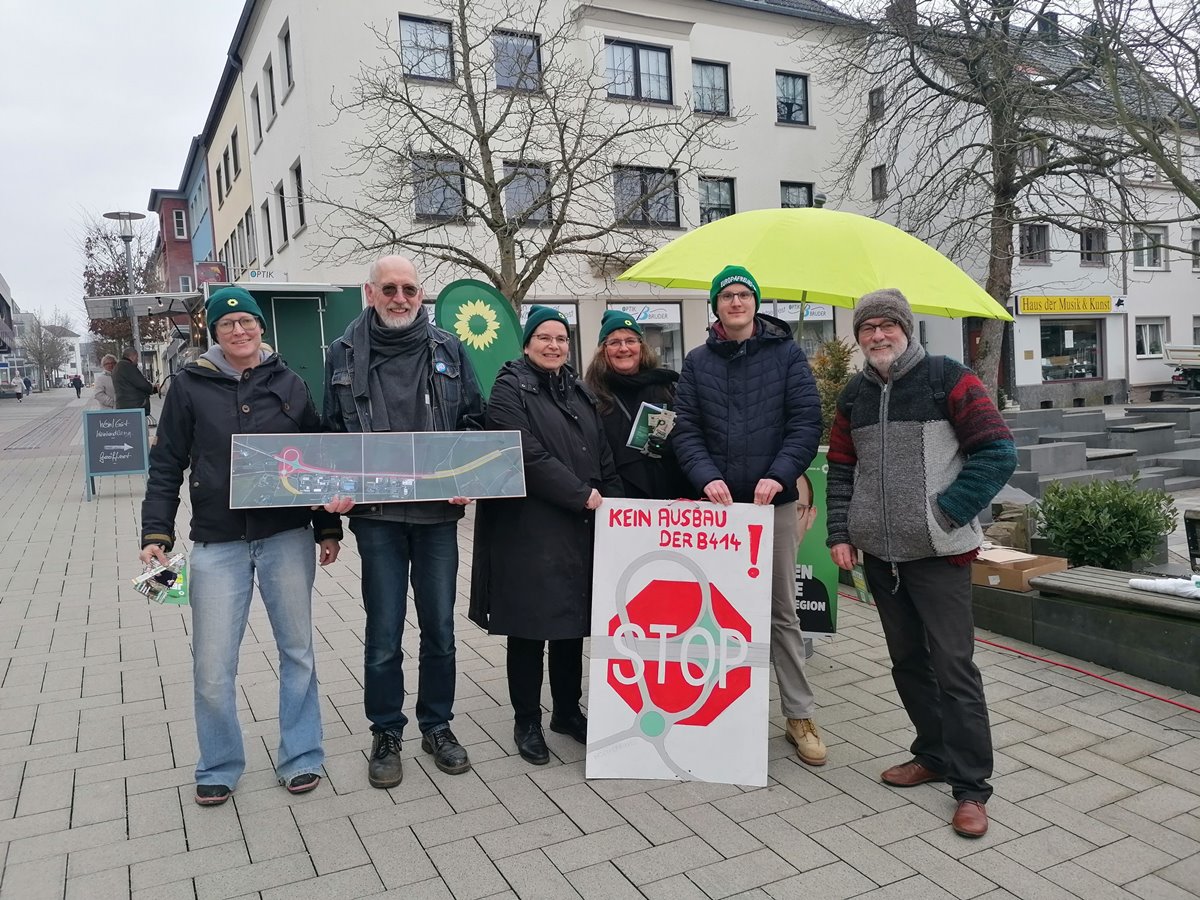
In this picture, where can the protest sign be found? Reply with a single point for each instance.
(681, 616)
(816, 574)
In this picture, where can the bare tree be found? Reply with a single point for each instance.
(104, 275)
(493, 146)
(985, 115)
(43, 344)
(1147, 54)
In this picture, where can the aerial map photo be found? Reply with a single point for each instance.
(309, 469)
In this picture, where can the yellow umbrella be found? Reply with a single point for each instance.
(818, 256)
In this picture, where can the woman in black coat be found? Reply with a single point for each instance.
(531, 576)
(624, 374)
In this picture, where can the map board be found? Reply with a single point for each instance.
(681, 641)
(114, 443)
(386, 467)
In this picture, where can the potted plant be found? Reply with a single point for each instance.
(832, 370)
(1110, 524)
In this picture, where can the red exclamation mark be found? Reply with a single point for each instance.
(755, 537)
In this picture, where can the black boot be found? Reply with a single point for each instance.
(573, 724)
(531, 743)
(448, 754)
(384, 769)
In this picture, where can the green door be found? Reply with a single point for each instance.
(294, 330)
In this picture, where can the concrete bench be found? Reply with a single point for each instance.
(1111, 588)
(1138, 427)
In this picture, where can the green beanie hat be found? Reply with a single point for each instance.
(231, 300)
(733, 275)
(538, 315)
(615, 320)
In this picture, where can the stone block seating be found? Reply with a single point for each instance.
(1158, 442)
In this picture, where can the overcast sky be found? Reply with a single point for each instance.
(98, 104)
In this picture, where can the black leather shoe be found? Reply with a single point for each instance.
(531, 743)
(211, 794)
(448, 754)
(573, 724)
(384, 769)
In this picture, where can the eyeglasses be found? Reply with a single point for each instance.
(409, 290)
(249, 324)
(868, 329)
(730, 296)
(618, 343)
(551, 339)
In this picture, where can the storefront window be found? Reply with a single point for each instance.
(1071, 349)
(661, 329)
(571, 311)
(818, 322)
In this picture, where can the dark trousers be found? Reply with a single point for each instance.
(392, 552)
(931, 639)
(525, 677)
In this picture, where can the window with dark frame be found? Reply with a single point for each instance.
(180, 220)
(251, 237)
(1093, 247)
(1035, 243)
(225, 168)
(791, 98)
(257, 111)
(237, 156)
(876, 102)
(439, 188)
(1196, 249)
(525, 194)
(638, 71)
(219, 183)
(298, 187)
(1032, 155)
(266, 232)
(716, 199)
(1149, 337)
(285, 49)
(518, 61)
(1148, 244)
(710, 88)
(425, 50)
(646, 197)
(269, 78)
(281, 203)
(795, 194)
(879, 186)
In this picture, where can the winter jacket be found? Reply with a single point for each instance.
(203, 411)
(454, 400)
(105, 394)
(131, 387)
(531, 570)
(746, 411)
(907, 479)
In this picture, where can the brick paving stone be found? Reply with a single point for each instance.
(1110, 769)
(1089, 794)
(756, 803)
(822, 814)
(837, 881)
(874, 862)
(358, 882)
(1050, 763)
(944, 871)
(1126, 860)
(1014, 877)
(526, 836)
(224, 883)
(155, 873)
(682, 794)
(110, 884)
(533, 877)
(1161, 802)
(587, 810)
(918, 887)
(1090, 828)
(466, 870)
(44, 846)
(653, 822)
(1187, 825)
(896, 824)
(800, 779)
(271, 833)
(731, 876)
(334, 845)
(1163, 771)
(42, 793)
(801, 851)
(82, 863)
(961, 848)
(665, 860)
(43, 879)
(1083, 883)
(463, 825)
(399, 858)
(524, 800)
(603, 881)
(590, 849)
(1154, 888)
(720, 832)
(1045, 848)
(867, 789)
(677, 887)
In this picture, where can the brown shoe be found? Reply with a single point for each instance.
(970, 819)
(909, 774)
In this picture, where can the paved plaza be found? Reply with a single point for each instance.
(1097, 787)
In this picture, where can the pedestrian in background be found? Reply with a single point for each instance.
(394, 370)
(106, 394)
(623, 374)
(531, 574)
(241, 386)
(748, 426)
(129, 384)
(77, 383)
(911, 511)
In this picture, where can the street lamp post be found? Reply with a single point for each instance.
(127, 219)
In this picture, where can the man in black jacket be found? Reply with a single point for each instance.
(748, 425)
(394, 370)
(130, 385)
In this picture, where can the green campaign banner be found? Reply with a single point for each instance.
(483, 319)
(816, 575)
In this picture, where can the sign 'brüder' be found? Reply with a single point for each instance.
(681, 609)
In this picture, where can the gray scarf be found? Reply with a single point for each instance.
(398, 374)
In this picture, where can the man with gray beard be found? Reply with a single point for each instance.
(394, 370)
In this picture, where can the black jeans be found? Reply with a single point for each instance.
(525, 677)
(931, 639)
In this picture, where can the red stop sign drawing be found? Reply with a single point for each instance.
(676, 608)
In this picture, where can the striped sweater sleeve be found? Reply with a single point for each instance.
(839, 487)
(984, 437)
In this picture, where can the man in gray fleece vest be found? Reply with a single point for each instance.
(908, 473)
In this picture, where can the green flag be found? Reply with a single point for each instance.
(480, 316)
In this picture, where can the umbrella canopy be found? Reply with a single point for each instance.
(818, 256)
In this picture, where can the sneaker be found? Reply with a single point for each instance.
(448, 753)
(302, 784)
(531, 743)
(802, 734)
(212, 794)
(384, 768)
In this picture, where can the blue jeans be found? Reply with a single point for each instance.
(388, 551)
(222, 578)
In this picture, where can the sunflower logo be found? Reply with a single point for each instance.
(476, 324)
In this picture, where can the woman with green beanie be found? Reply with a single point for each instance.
(531, 572)
(624, 374)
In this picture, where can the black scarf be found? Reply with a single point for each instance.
(399, 374)
(627, 388)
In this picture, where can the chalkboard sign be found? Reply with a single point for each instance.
(114, 443)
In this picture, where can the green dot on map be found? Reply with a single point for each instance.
(653, 724)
